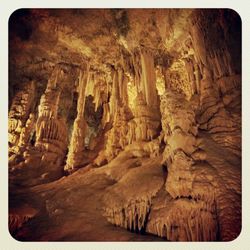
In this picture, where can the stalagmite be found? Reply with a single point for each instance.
(27, 131)
(19, 112)
(51, 130)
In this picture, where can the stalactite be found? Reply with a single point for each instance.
(132, 216)
(106, 114)
(97, 89)
(57, 74)
(115, 98)
(90, 87)
(136, 62)
(122, 83)
(199, 43)
(148, 81)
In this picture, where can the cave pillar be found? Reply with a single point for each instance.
(77, 142)
(146, 111)
(19, 112)
(51, 130)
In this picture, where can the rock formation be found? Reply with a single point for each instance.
(127, 126)
(19, 112)
(79, 129)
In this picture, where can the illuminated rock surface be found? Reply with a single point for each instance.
(125, 125)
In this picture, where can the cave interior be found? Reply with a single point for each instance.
(124, 125)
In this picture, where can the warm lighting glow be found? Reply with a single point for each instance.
(124, 125)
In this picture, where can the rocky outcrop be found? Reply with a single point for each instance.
(180, 135)
(183, 219)
(128, 202)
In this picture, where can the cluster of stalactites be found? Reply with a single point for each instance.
(207, 47)
(98, 87)
(132, 216)
(186, 220)
(119, 94)
(144, 126)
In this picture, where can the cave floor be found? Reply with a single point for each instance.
(69, 209)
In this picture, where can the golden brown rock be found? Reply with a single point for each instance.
(19, 112)
(144, 106)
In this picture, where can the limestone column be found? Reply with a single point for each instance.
(76, 148)
(51, 130)
(19, 112)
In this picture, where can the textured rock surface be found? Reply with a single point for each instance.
(125, 124)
